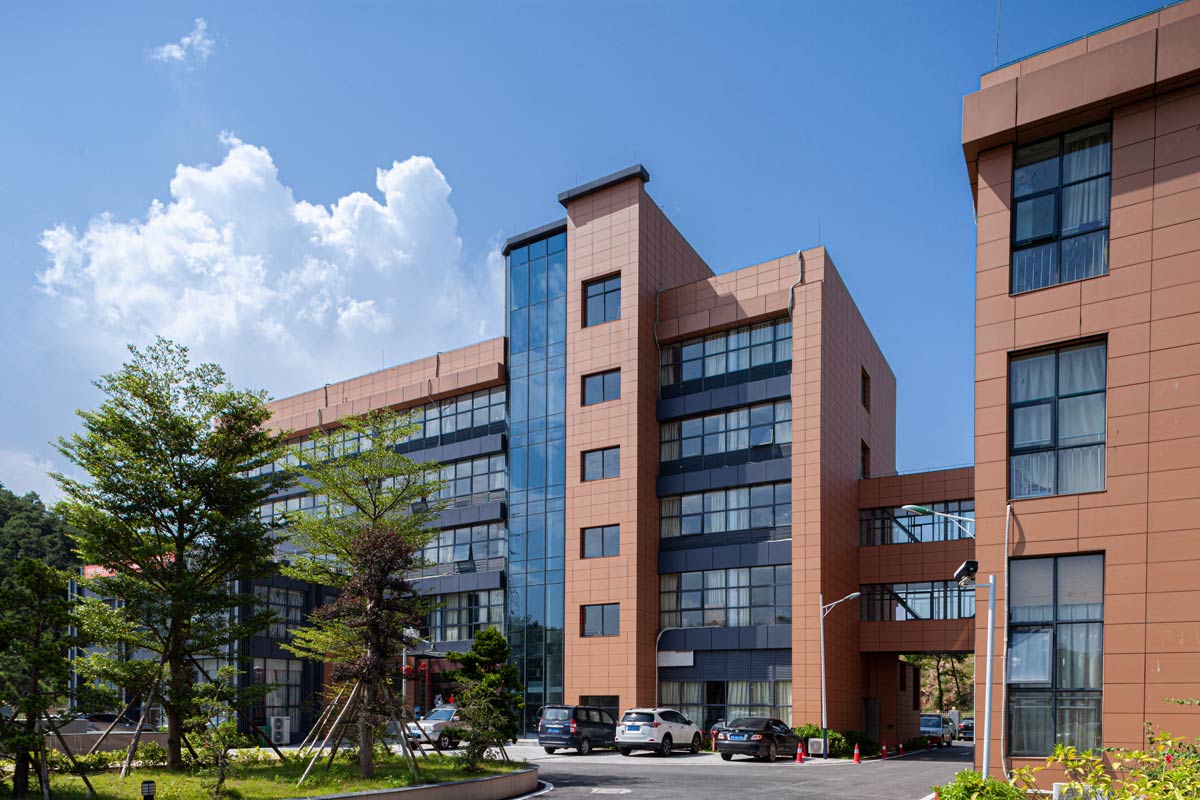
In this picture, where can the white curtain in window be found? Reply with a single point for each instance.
(1079, 720)
(737, 698)
(1031, 724)
(1081, 656)
(1033, 378)
(1081, 469)
(1081, 369)
(1085, 206)
(1086, 153)
(1029, 656)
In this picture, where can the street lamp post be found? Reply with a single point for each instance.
(990, 587)
(825, 609)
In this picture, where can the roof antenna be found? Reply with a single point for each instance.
(999, 5)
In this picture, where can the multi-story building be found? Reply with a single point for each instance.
(658, 473)
(1084, 162)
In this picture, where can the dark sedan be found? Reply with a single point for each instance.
(761, 737)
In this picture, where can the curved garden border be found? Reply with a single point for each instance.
(491, 787)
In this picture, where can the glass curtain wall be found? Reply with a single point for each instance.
(537, 330)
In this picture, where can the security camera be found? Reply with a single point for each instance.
(966, 572)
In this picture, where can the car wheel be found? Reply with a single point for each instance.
(665, 750)
(550, 750)
(696, 743)
(443, 742)
(727, 756)
(772, 753)
(585, 746)
(624, 751)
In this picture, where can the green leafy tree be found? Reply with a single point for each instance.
(371, 535)
(215, 725)
(169, 510)
(34, 671)
(29, 530)
(489, 695)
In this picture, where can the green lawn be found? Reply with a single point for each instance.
(269, 781)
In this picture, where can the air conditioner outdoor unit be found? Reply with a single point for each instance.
(281, 730)
(816, 747)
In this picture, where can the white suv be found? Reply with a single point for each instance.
(663, 730)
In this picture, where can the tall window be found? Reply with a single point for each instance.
(284, 676)
(602, 541)
(458, 617)
(286, 604)
(1055, 653)
(1062, 195)
(601, 301)
(603, 463)
(709, 701)
(1057, 421)
(865, 459)
(601, 620)
(866, 390)
(601, 387)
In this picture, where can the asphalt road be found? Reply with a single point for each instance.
(691, 777)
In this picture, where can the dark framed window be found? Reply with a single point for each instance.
(865, 458)
(767, 505)
(1061, 196)
(601, 542)
(601, 387)
(721, 359)
(476, 543)
(602, 463)
(866, 390)
(706, 702)
(458, 617)
(901, 602)
(601, 301)
(286, 604)
(1055, 653)
(726, 597)
(730, 431)
(1057, 421)
(878, 526)
(601, 620)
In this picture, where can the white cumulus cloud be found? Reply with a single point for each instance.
(22, 472)
(193, 48)
(286, 294)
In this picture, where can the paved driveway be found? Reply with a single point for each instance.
(692, 777)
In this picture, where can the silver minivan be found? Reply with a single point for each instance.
(938, 727)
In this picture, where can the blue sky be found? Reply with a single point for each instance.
(313, 163)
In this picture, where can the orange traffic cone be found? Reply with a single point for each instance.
(857, 757)
(928, 743)
(799, 752)
(902, 748)
(884, 755)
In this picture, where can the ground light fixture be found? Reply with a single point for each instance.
(825, 609)
(964, 575)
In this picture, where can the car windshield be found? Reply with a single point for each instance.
(440, 714)
(930, 721)
(637, 716)
(556, 714)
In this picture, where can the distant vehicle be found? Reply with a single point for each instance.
(663, 730)
(101, 721)
(761, 737)
(715, 729)
(577, 727)
(436, 726)
(938, 727)
(966, 729)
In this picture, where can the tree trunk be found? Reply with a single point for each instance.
(21, 773)
(941, 693)
(366, 733)
(173, 705)
(954, 666)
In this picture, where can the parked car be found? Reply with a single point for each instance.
(714, 730)
(761, 737)
(437, 726)
(663, 730)
(966, 729)
(578, 727)
(101, 721)
(938, 727)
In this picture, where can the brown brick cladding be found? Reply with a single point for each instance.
(617, 229)
(476, 366)
(1147, 521)
(831, 345)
